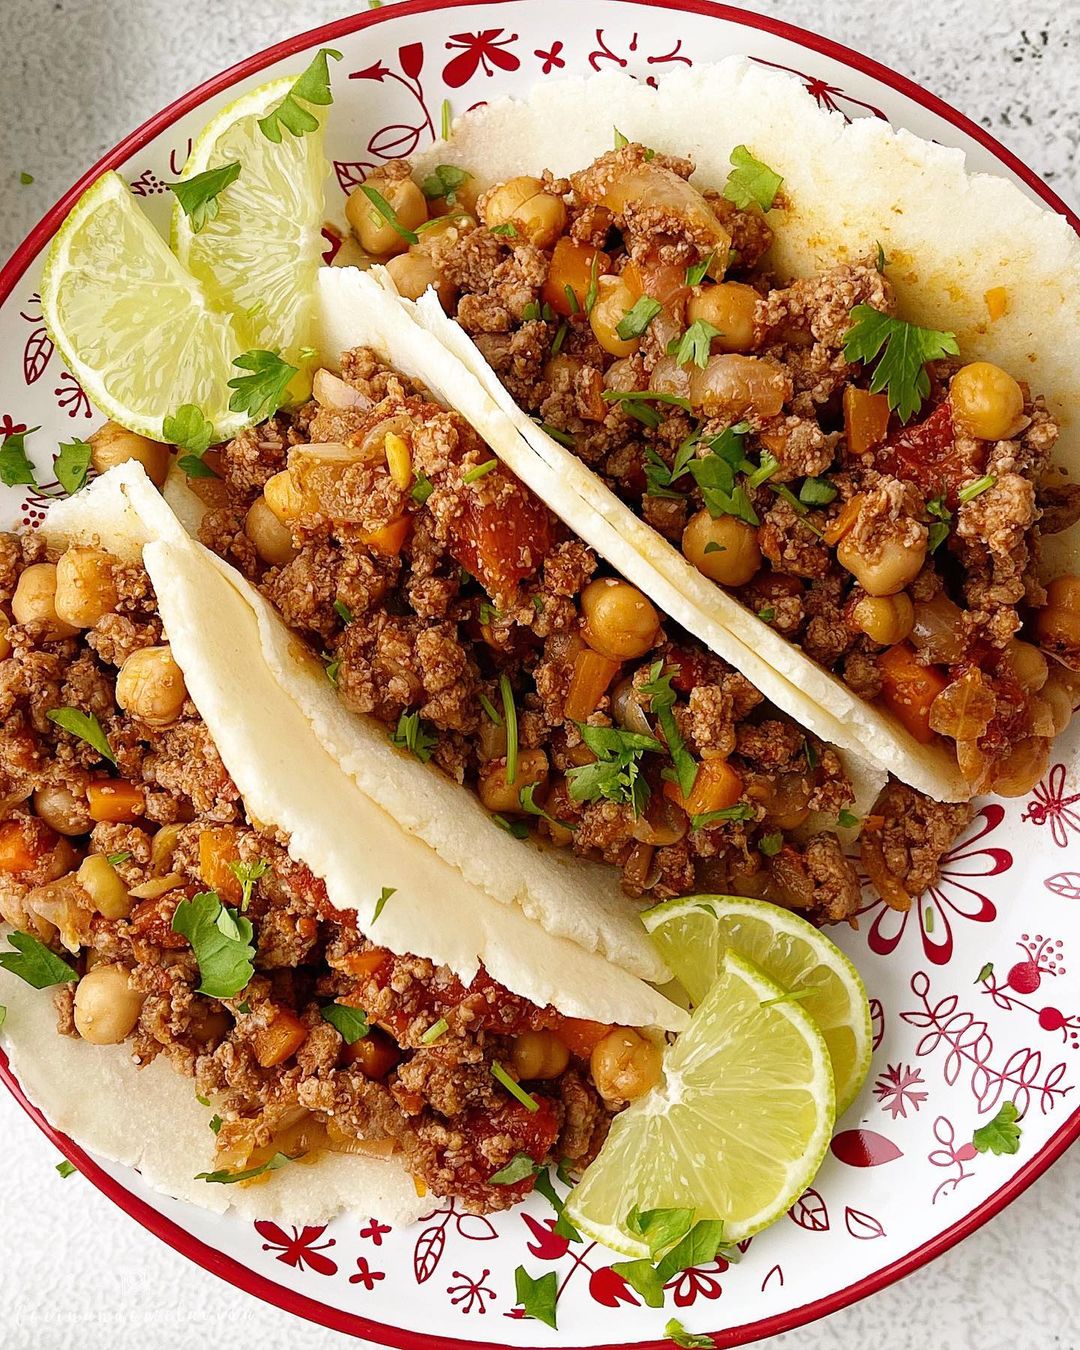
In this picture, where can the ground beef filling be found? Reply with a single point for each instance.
(903, 557)
(94, 861)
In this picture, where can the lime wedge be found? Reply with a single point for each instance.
(735, 1130)
(133, 327)
(693, 934)
(258, 257)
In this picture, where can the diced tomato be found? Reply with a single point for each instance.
(572, 265)
(503, 537)
(524, 1131)
(694, 668)
(580, 1036)
(151, 920)
(927, 455)
(909, 689)
(282, 1036)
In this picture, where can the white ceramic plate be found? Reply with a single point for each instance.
(903, 1181)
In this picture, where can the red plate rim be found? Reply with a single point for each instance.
(226, 1267)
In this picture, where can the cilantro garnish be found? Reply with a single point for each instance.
(771, 844)
(444, 182)
(435, 1031)
(715, 476)
(198, 195)
(508, 230)
(517, 828)
(939, 530)
(699, 1246)
(767, 466)
(766, 613)
(526, 798)
(976, 488)
(332, 668)
(410, 735)
(984, 973)
(32, 962)
(659, 1229)
(422, 489)
(740, 811)
(563, 437)
(15, 466)
(66, 1169)
(571, 299)
(662, 702)
(810, 754)
(563, 1226)
(751, 181)
(636, 319)
(72, 465)
(594, 289)
(221, 941)
(351, 1023)
(510, 717)
(491, 710)
(659, 478)
(261, 393)
(620, 139)
(518, 1168)
(696, 274)
(514, 1088)
(687, 1340)
(695, 344)
(224, 1178)
(537, 1297)
(380, 904)
(115, 859)
(479, 471)
(817, 492)
(247, 874)
(560, 338)
(880, 260)
(384, 209)
(616, 774)
(86, 727)
(487, 613)
(846, 819)
(1002, 1134)
(901, 371)
(215, 1123)
(189, 430)
(312, 87)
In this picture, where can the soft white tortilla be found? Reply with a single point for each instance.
(950, 236)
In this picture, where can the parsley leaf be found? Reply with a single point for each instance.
(513, 1087)
(352, 1023)
(695, 344)
(508, 230)
(479, 471)
(518, 1168)
(15, 466)
(593, 290)
(221, 941)
(66, 1169)
(658, 477)
(1000, 1135)
(33, 962)
(751, 181)
(511, 720)
(342, 610)
(384, 209)
(659, 1229)
(247, 874)
(380, 904)
(642, 1277)
(846, 820)
(261, 393)
(189, 430)
(444, 181)
(687, 1340)
(771, 844)
(715, 476)
(939, 530)
(526, 799)
(537, 1297)
(312, 87)
(198, 195)
(115, 859)
(817, 492)
(662, 701)
(620, 139)
(422, 489)
(697, 1248)
(72, 465)
(517, 828)
(225, 1178)
(976, 487)
(740, 811)
(985, 973)
(410, 735)
(86, 727)
(616, 774)
(696, 274)
(905, 349)
(215, 1123)
(636, 319)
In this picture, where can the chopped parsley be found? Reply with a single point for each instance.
(86, 727)
(715, 476)
(740, 811)
(817, 492)
(435, 1031)
(687, 1340)
(751, 181)
(189, 430)
(247, 874)
(72, 465)
(225, 1178)
(444, 182)
(66, 1169)
(563, 437)
(422, 489)
(699, 1246)
(537, 1297)
(636, 319)
(939, 529)
(410, 735)
(810, 754)
(771, 844)
(620, 139)
(479, 471)
(312, 87)
(351, 1023)
(563, 1226)
(616, 774)
(221, 940)
(33, 963)
(767, 466)
(594, 287)
(846, 819)
(517, 1169)
(492, 712)
(766, 613)
(975, 489)
(384, 209)
(26, 178)
(15, 466)
(380, 904)
(527, 799)
(342, 610)
(198, 195)
(515, 1089)
(215, 1123)
(517, 828)
(571, 299)
(1000, 1135)
(508, 230)
(510, 718)
(261, 393)
(695, 344)
(905, 348)
(880, 260)
(659, 1229)
(662, 702)
(115, 859)
(659, 477)
(696, 273)
(560, 338)
(332, 668)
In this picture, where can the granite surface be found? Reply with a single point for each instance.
(79, 74)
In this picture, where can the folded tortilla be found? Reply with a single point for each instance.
(950, 235)
(220, 631)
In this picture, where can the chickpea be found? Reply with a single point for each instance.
(885, 619)
(1028, 664)
(111, 445)
(1059, 695)
(725, 550)
(5, 641)
(897, 564)
(536, 215)
(538, 1054)
(412, 273)
(106, 1006)
(63, 810)
(101, 882)
(375, 233)
(615, 298)
(505, 798)
(284, 498)
(273, 540)
(1057, 624)
(620, 622)
(34, 600)
(151, 686)
(730, 306)
(1022, 768)
(85, 590)
(625, 1065)
(986, 400)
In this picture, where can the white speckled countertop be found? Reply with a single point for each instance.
(79, 74)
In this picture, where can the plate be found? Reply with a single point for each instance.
(971, 1005)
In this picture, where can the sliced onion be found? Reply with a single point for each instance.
(653, 186)
(668, 377)
(332, 392)
(888, 886)
(621, 376)
(734, 384)
(937, 632)
(626, 709)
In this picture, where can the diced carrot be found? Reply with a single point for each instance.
(115, 800)
(866, 419)
(282, 1036)
(909, 689)
(572, 265)
(581, 1037)
(844, 521)
(366, 963)
(716, 787)
(217, 850)
(23, 843)
(502, 537)
(390, 540)
(592, 675)
(997, 302)
(374, 1054)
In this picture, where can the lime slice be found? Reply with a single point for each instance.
(133, 327)
(694, 932)
(735, 1130)
(259, 255)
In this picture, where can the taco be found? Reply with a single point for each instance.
(844, 431)
(223, 956)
